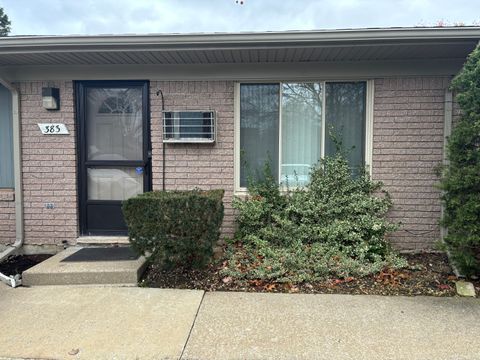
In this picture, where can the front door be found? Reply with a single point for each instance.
(114, 158)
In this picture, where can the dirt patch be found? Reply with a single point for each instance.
(14, 265)
(426, 274)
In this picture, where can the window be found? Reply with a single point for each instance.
(291, 126)
(114, 123)
(259, 128)
(345, 111)
(118, 104)
(6, 139)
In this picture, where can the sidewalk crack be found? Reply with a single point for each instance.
(191, 328)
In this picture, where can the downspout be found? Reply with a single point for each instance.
(447, 131)
(160, 92)
(17, 170)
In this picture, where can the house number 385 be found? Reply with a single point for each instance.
(50, 129)
(53, 129)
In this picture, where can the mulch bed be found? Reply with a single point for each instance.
(427, 274)
(14, 265)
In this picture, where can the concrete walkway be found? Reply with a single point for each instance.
(64, 322)
(67, 322)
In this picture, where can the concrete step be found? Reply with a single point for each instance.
(102, 240)
(58, 270)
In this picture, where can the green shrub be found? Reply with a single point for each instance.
(336, 226)
(177, 228)
(461, 177)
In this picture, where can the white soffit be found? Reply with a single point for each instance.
(242, 48)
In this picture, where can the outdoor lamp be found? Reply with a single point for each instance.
(51, 98)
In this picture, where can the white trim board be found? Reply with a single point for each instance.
(237, 72)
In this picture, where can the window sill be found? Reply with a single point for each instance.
(240, 192)
(243, 192)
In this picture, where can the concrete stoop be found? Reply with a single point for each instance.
(54, 271)
(102, 240)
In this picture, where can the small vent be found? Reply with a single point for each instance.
(188, 126)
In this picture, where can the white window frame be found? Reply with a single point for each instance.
(368, 123)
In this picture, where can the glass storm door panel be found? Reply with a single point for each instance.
(114, 124)
(118, 183)
(114, 152)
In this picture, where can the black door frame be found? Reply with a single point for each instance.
(83, 163)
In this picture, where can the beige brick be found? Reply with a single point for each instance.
(7, 216)
(49, 165)
(407, 146)
(189, 166)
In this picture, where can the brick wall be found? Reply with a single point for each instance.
(407, 146)
(7, 216)
(408, 143)
(206, 166)
(49, 166)
(49, 162)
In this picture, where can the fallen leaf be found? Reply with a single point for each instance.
(256, 282)
(227, 279)
(270, 287)
(444, 287)
(74, 352)
(403, 276)
(294, 289)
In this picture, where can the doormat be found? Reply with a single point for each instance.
(121, 253)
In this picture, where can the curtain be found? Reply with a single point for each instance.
(301, 131)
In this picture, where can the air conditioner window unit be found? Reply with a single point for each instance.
(189, 126)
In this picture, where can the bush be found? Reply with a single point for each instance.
(336, 226)
(461, 177)
(177, 228)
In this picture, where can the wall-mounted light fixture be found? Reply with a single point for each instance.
(51, 98)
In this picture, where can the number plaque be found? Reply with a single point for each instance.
(53, 129)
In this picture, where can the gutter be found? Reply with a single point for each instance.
(17, 158)
(242, 40)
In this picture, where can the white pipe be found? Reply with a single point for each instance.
(17, 158)
(447, 131)
(13, 281)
